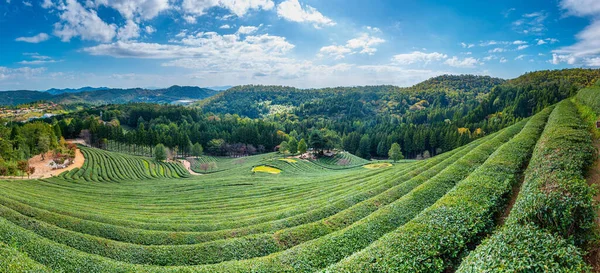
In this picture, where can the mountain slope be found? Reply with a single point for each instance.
(55, 91)
(108, 96)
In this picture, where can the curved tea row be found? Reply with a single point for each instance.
(128, 214)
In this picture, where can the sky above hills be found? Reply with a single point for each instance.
(304, 43)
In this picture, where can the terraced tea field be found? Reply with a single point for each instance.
(452, 212)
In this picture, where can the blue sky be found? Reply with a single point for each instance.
(303, 43)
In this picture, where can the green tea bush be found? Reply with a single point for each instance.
(441, 235)
(554, 208)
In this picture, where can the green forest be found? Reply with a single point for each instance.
(430, 118)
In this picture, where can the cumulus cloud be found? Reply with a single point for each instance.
(365, 43)
(225, 26)
(149, 29)
(581, 7)
(76, 21)
(237, 7)
(503, 60)
(546, 41)
(260, 59)
(586, 50)
(34, 39)
(418, 57)
(130, 9)
(469, 62)
(497, 50)
(190, 19)
(521, 47)
(465, 45)
(129, 31)
(292, 10)
(47, 4)
(338, 52)
(247, 29)
(200, 45)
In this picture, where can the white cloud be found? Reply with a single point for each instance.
(581, 7)
(489, 43)
(131, 9)
(531, 23)
(465, 45)
(497, 50)
(34, 39)
(190, 19)
(237, 7)
(22, 72)
(520, 57)
(77, 21)
(464, 63)
(225, 26)
(202, 45)
(36, 62)
(546, 41)
(557, 59)
(521, 47)
(129, 31)
(36, 59)
(292, 10)
(503, 60)
(27, 3)
(338, 52)
(593, 61)
(418, 57)
(47, 4)
(490, 57)
(363, 44)
(585, 49)
(519, 42)
(374, 29)
(149, 29)
(260, 59)
(247, 29)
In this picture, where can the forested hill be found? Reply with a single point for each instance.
(110, 96)
(256, 101)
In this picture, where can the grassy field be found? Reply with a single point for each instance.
(269, 213)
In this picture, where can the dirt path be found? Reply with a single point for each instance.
(188, 166)
(593, 178)
(43, 169)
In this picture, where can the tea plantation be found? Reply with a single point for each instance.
(513, 201)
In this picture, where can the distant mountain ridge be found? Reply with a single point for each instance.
(103, 95)
(55, 91)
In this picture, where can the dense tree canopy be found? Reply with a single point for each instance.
(435, 116)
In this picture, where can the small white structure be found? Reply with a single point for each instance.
(56, 166)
